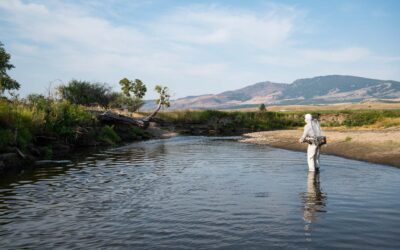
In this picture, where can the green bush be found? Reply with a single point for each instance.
(24, 119)
(64, 118)
(17, 122)
(121, 101)
(6, 136)
(85, 93)
(231, 120)
(108, 135)
(138, 133)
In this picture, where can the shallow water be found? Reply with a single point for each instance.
(202, 193)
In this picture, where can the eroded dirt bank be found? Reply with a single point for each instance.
(378, 146)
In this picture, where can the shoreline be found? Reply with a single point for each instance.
(14, 161)
(375, 146)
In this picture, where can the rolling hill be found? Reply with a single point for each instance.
(317, 90)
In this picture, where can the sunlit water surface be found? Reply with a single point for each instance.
(202, 193)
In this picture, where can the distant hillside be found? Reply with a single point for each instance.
(338, 89)
(316, 90)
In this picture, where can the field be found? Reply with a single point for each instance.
(331, 107)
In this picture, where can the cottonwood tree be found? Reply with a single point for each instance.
(6, 82)
(162, 101)
(136, 90)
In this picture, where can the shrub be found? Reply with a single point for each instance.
(85, 93)
(247, 120)
(121, 101)
(64, 117)
(108, 135)
(6, 136)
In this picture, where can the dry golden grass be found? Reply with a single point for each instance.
(341, 106)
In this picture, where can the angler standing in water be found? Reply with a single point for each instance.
(313, 136)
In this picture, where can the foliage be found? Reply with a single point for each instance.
(6, 82)
(262, 107)
(108, 135)
(64, 118)
(137, 87)
(164, 96)
(119, 100)
(137, 133)
(17, 124)
(368, 117)
(85, 93)
(126, 86)
(6, 136)
(356, 118)
(388, 122)
(38, 115)
(235, 120)
(134, 90)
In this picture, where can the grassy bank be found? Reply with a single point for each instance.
(231, 121)
(356, 118)
(40, 126)
(239, 121)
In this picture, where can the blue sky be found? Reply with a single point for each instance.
(198, 47)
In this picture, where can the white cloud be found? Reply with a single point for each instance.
(78, 44)
(211, 25)
(194, 49)
(306, 57)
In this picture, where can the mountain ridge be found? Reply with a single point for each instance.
(328, 89)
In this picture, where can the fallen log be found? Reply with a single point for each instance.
(111, 117)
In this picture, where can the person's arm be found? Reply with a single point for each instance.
(305, 133)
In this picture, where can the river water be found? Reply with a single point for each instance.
(201, 193)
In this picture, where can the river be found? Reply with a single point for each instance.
(201, 193)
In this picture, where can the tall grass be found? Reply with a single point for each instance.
(19, 121)
(254, 120)
(231, 120)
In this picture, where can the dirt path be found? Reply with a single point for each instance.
(378, 146)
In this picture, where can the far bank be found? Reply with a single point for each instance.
(378, 146)
(367, 135)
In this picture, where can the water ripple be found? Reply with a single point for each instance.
(201, 193)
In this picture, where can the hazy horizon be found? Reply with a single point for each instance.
(198, 47)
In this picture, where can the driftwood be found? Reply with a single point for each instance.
(19, 152)
(111, 117)
(152, 115)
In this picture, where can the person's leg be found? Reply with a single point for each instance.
(311, 150)
(316, 157)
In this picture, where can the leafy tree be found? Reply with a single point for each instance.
(6, 82)
(139, 89)
(262, 107)
(135, 90)
(85, 93)
(120, 100)
(163, 101)
(37, 101)
(163, 91)
(126, 86)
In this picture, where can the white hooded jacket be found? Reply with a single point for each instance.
(311, 129)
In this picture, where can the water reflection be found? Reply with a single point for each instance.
(314, 202)
(193, 193)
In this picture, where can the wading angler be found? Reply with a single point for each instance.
(313, 136)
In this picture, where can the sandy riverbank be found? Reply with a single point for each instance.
(378, 146)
